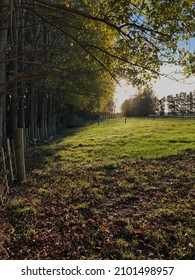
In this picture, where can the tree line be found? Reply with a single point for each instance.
(145, 103)
(181, 104)
(60, 58)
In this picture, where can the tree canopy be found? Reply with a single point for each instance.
(146, 33)
(141, 105)
(67, 54)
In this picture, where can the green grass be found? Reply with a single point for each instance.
(111, 191)
(114, 139)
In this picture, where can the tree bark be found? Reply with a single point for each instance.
(54, 113)
(49, 115)
(43, 117)
(21, 93)
(14, 97)
(3, 44)
(20, 159)
(32, 113)
(21, 111)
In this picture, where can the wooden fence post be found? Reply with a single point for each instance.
(19, 149)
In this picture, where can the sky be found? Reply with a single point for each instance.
(162, 87)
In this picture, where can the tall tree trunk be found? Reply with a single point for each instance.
(32, 113)
(49, 115)
(42, 117)
(14, 98)
(21, 111)
(54, 113)
(21, 49)
(3, 44)
(4, 124)
(35, 115)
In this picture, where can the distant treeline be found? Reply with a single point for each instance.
(145, 103)
(181, 104)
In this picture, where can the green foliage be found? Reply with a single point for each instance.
(123, 38)
(146, 34)
(69, 54)
(181, 104)
(142, 105)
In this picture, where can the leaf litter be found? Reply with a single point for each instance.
(140, 209)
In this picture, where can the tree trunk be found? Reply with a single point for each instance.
(4, 124)
(14, 101)
(42, 117)
(35, 115)
(32, 113)
(20, 159)
(14, 92)
(54, 114)
(21, 48)
(49, 115)
(21, 112)
(3, 44)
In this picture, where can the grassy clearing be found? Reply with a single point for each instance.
(146, 138)
(108, 191)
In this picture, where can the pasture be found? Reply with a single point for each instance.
(110, 191)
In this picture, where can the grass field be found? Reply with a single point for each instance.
(111, 191)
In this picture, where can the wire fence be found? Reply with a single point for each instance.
(8, 169)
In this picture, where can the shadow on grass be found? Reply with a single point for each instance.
(124, 214)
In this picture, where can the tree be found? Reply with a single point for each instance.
(146, 32)
(128, 107)
(160, 106)
(3, 45)
(142, 105)
(181, 104)
(191, 104)
(69, 53)
(172, 105)
(109, 109)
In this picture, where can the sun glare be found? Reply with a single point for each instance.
(162, 87)
(123, 91)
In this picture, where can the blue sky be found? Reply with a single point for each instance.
(192, 45)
